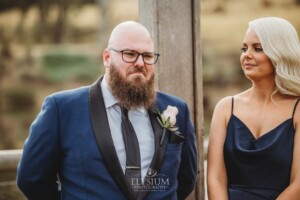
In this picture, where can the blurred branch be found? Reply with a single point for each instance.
(44, 7)
(5, 53)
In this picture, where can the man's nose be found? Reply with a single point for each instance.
(140, 61)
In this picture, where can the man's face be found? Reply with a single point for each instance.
(136, 72)
(132, 92)
(132, 42)
(131, 83)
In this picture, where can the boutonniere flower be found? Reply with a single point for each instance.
(167, 120)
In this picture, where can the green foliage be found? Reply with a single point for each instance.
(59, 67)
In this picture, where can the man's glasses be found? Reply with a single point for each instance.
(131, 56)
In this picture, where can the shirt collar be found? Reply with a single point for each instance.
(110, 100)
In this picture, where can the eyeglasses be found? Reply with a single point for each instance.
(131, 56)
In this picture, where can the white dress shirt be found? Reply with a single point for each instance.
(141, 123)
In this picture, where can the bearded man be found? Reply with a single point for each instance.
(110, 140)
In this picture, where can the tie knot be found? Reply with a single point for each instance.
(124, 111)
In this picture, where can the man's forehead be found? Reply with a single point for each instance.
(127, 31)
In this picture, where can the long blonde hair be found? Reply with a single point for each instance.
(280, 43)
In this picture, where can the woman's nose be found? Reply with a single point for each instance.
(248, 54)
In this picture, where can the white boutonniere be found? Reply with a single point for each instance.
(167, 120)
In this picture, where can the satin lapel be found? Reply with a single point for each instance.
(159, 149)
(104, 138)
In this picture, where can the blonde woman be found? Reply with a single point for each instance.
(254, 147)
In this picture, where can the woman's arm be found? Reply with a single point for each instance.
(293, 191)
(216, 172)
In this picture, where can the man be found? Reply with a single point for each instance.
(81, 136)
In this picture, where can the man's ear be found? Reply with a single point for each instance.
(106, 56)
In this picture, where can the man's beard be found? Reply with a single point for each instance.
(132, 94)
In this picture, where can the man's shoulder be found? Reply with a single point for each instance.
(70, 95)
(168, 99)
(71, 92)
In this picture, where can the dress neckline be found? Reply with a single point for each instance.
(270, 131)
(266, 133)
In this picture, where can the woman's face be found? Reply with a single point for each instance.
(255, 63)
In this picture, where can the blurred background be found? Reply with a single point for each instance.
(52, 45)
(47, 46)
(224, 24)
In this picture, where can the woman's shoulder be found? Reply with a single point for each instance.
(228, 101)
(225, 101)
(224, 105)
(296, 112)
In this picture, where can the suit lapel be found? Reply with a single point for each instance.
(104, 138)
(159, 149)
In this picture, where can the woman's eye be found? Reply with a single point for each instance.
(258, 49)
(244, 49)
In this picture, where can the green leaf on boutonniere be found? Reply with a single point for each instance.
(167, 120)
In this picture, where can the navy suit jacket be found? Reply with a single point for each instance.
(71, 139)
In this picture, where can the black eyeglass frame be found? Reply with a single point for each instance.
(156, 55)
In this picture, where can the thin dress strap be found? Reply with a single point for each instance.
(295, 107)
(232, 104)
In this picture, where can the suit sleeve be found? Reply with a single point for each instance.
(36, 173)
(188, 168)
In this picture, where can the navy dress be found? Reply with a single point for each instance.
(258, 169)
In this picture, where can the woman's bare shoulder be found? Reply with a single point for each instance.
(296, 113)
(224, 104)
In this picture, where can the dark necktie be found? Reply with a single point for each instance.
(133, 160)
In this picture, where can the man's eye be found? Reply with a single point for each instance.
(129, 54)
(148, 56)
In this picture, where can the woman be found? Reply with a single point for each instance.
(254, 147)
